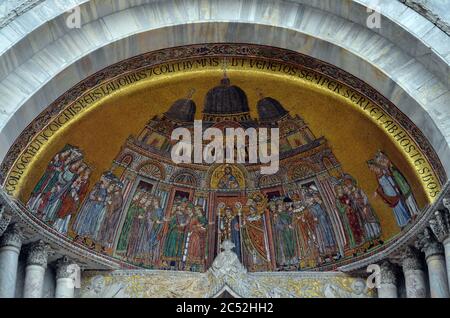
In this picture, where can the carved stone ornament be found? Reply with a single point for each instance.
(388, 273)
(446, 202)
(65, 268)
(12, 236)
(440, 225)
(411, 259)
(38, 253)
(5, 219)
(427, 243)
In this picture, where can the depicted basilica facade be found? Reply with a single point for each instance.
(152, 213)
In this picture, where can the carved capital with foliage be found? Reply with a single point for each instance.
(388, 273)
(440, 225)
(427, 243)
(38, 253)
(65, 268)
(12, 236)
(411, 259)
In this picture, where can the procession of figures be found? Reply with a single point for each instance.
(151, 212)
(270, 230)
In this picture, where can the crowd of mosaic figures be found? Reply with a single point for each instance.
(270, 231)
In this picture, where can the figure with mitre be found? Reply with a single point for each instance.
(254, 235)
(230, 227)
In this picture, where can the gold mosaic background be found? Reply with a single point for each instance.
(102, 129)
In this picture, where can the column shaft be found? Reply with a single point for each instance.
(34, 281)
(438, 276)
(65, 288)
(412, 265)
(65, 278)
(10, 244)
(446, 244)
(35, 270)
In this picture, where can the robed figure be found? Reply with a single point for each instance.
(391, 194)
(400, 181)
(112, 216)
(90, 215)
(135, 210)
(175, 238)
(54, 200)
(47, 182)
(349, 218)
(196, 240)
(155, 227)
(284, 234)
(230, 229)
(71, 201)
(254, 234)
(137, 238)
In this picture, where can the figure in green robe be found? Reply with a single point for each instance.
(134, 211)
(174, 244)
(284, 236)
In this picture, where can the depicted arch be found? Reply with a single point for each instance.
(185, 177)
(152, 169)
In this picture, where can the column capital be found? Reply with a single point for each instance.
(427, 243)
(12, 236)
(388, 273)
(411, 260)
(5, 219)
(64, 268)
(38, 253)
(440, 225)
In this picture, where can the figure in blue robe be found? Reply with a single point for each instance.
(88, 218)
(324, 226)
(391, 194)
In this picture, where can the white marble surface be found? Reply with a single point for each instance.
(9, 256)
(64, 288)
(34, 281)
(415, 284)
(437, 275)
(387, 291)
(41, 58)
(446, 244)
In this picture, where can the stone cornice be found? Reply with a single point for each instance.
(11, 9)
(421, 8)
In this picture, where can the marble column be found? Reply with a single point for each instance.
(65, 280)
(10, 244)
(434, 255)
(35, 270)
(388, 281)
(440, 225)
(415, 281)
